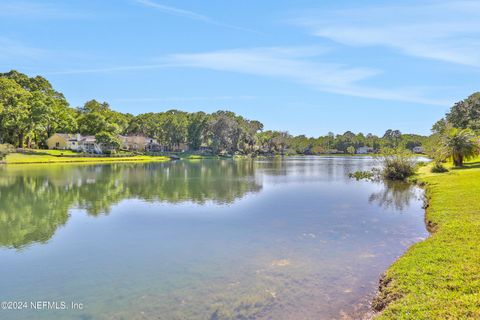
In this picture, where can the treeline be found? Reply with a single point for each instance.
(457, 135)
(31, 110)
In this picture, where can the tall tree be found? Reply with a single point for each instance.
(15, 111)
(466, 113)
(197, 129)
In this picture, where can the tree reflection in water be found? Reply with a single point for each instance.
(35, 200)
(395, 195)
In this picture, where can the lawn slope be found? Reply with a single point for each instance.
(439, 278)
(18, 158)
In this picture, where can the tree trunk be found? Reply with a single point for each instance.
(29, 144)
(20, 140)
(457, 160)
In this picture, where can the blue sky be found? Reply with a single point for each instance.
(308, 67)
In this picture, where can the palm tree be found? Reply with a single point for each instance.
(461, 144)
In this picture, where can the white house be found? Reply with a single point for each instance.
(364, 150)
(75, 142)
(418, 149)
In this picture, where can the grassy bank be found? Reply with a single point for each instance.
(18, 158)
(439, 278)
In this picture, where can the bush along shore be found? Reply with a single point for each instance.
(439, 278)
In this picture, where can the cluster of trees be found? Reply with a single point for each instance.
(222, 131)
(349, 142)
(31, 110)
(457, 134)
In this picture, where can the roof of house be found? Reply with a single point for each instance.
(76, 137)
(68, 136)
(88, 138)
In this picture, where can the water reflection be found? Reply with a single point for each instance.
(35, 201)
(183, 241)
(396, 195)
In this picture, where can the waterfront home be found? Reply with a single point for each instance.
(140, 143)
(364, 150)
(77, 142)
(74, 142)
(418, 149)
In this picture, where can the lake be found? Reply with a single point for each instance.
(291, 238)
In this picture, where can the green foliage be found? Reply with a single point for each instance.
(274, 141)
(196, 131)
(461, 144)
(360, 175)
(392, 137)
(31, 110)
(351, 150)
(108, 141)
(466, 113)
(397, 164)
(6, 149)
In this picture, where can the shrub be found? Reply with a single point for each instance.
(397, 164)
(438, 168)
(6, 149)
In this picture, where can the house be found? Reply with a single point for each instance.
(140, 143)
(75, 142)
(418, 149)
(364, 150)
(64, 141)
(89, 144)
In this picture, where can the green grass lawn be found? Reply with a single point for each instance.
(439, 278)
(54, 152)
(18, 158)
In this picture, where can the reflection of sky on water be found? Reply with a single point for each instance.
(282, 239)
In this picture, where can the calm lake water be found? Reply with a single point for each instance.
(212, 239)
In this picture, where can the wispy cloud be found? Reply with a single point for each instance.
(281, 62)
(296, 64)
(441, 30)
(190, 15)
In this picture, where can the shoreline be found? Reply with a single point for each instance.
(45, 158)
(437, 278)
(22, 159)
